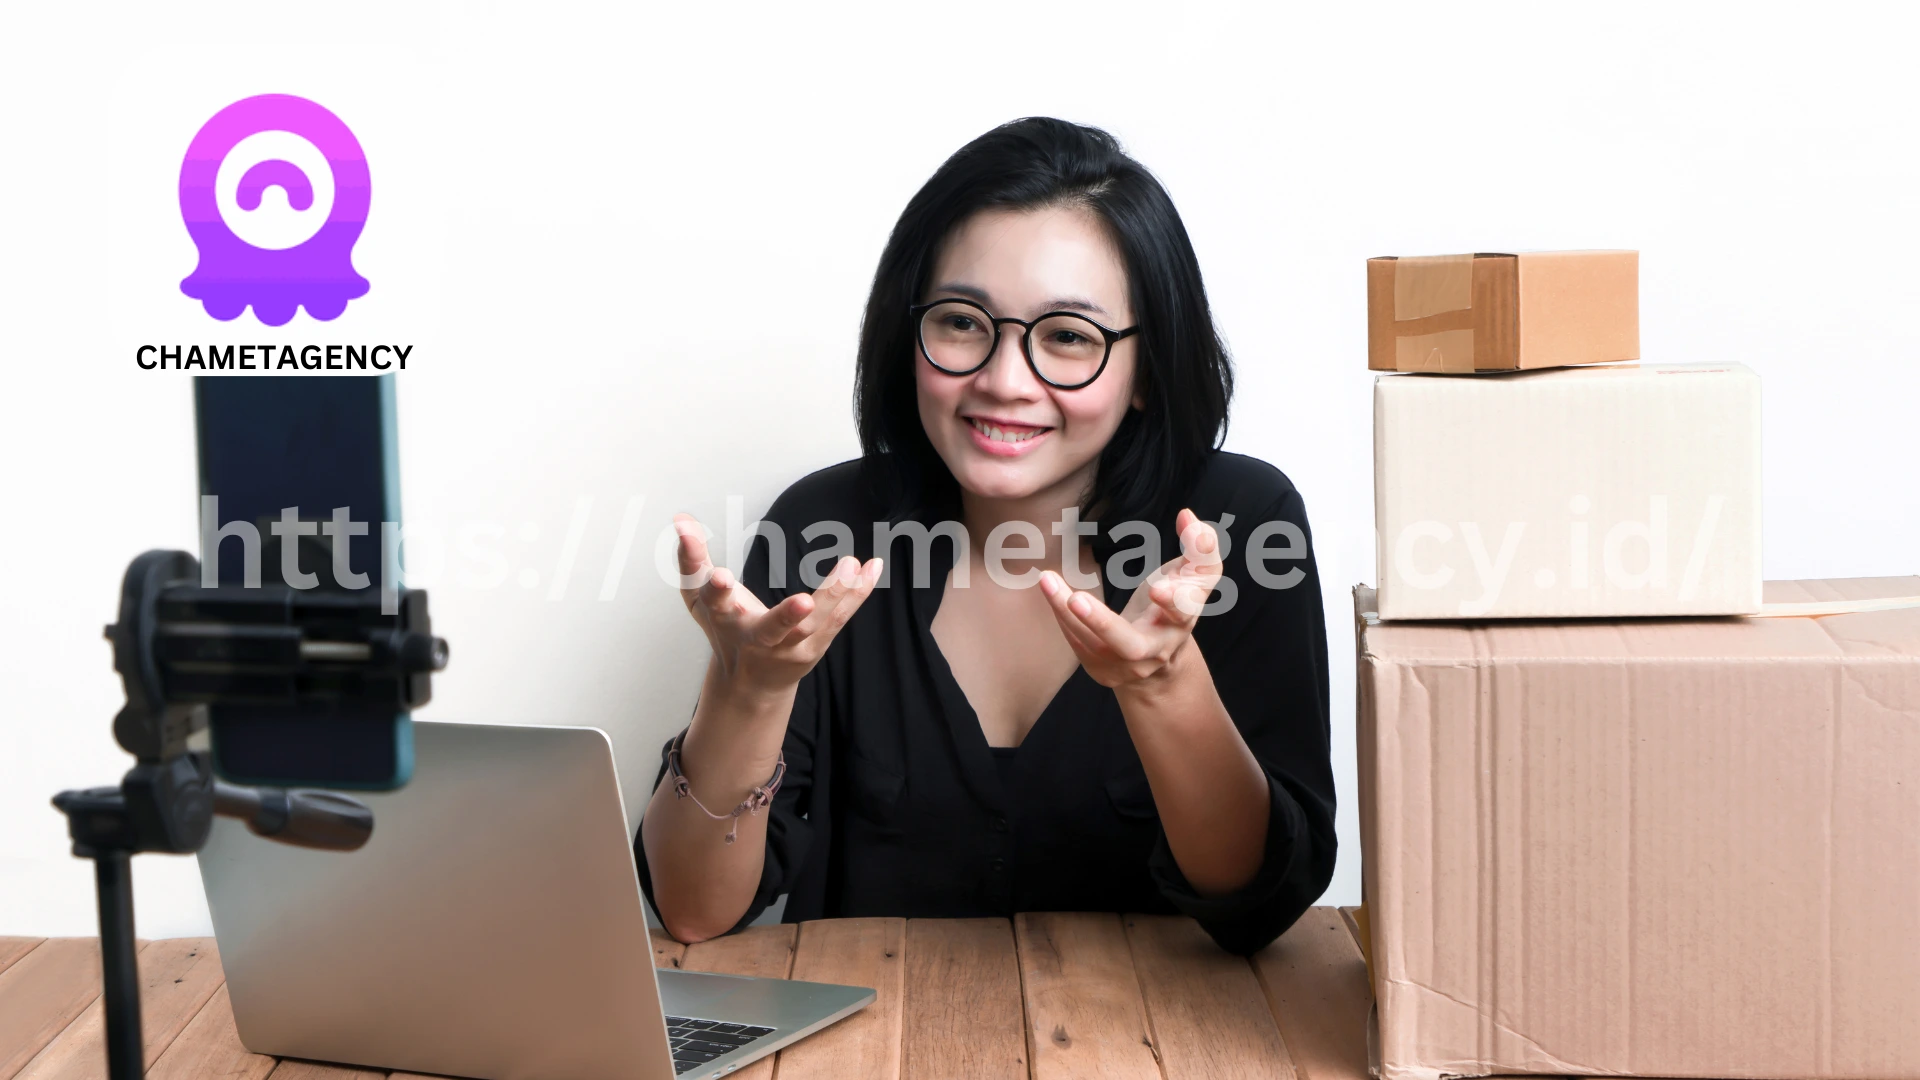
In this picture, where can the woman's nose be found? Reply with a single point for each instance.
(1007, 374)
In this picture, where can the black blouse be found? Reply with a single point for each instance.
(894, 804)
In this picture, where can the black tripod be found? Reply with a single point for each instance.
(176, 661)
(168, 806)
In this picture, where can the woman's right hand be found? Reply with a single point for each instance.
(761, 650)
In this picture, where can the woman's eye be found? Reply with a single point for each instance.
(962, 323)
(1067, 337)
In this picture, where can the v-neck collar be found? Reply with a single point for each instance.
(963, 724)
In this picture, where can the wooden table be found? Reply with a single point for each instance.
(1046, 996)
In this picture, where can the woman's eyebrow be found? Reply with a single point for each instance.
(971, 292)
(1059, 303)
(1069, 303)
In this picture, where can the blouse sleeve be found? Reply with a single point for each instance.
(1268, 658)
(789, 831)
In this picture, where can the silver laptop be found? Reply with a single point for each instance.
(492, 927)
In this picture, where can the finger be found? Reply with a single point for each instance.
(1199, 543)
(772, 628)
(691, 554)
(1182, 526)
(1059, 597)
(1180, 601)
(1200, 575)
(865, 579)
(693, 542)
(844, 575)
(1118, 634)
(826, 626)
(1184, 520)
(833, 589)
(1084, 641)
(720, 594)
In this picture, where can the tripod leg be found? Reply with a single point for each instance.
(113, 877)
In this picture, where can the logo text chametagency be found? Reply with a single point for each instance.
(274, 191)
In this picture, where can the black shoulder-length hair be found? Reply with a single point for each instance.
(1186, 379)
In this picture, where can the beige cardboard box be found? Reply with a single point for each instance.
(1620, 489)
(1669, 848)
(1492, 312)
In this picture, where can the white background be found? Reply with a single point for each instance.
(631, 248)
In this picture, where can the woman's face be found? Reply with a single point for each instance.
(1002, 432)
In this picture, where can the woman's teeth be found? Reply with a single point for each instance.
(999, 434)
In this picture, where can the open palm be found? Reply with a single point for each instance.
(759, 647)
(1138, 642)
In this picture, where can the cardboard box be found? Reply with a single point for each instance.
(1492, 312)
(1671, 848)
(1622, 489)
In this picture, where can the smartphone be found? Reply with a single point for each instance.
(315, 445)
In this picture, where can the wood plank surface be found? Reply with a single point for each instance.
(1085, 1016)
(964, 1018)
(209, 1048)
(41, 993)
(1096, 995)
(295, 1069)
(13, 948)
(1204, 1006)
(177, 977)
(666, 951)
(1316, 984)
(855, 952)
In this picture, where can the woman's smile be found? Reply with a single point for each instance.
(1004, 438)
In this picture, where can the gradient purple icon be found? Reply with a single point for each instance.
(316, 271)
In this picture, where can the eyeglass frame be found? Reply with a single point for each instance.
(1110, 336)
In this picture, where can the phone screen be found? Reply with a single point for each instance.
(316, 445)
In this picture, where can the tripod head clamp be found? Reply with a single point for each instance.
(147, 726)
(181, 646)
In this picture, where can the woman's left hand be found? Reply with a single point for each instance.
(1141, 642)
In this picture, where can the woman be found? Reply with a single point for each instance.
(1013, 720)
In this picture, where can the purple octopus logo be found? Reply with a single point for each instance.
(274, 191)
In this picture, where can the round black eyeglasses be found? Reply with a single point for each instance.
(1066, 351)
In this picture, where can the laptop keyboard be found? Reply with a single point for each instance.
(696, 1042)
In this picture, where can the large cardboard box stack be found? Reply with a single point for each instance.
(1505, 487)
(1623, 812)
(1653, 847)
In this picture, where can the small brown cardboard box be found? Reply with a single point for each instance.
(1494, 312)
(1646, 847)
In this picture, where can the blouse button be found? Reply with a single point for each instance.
(998, 824)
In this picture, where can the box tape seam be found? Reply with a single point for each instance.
(1832, 607)
(1428, 285)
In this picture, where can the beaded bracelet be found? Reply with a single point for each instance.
(756, 799)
